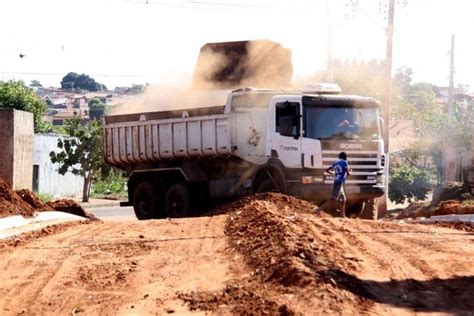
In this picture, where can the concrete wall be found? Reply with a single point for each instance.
(50, 182)
(16, 148)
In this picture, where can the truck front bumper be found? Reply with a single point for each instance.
(319, 193)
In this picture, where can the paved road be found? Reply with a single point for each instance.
(113, 213)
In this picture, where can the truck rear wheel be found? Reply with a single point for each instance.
(145, 201)
(369, 211)
(177, 201)
(267, 185)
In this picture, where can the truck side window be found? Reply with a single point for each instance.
(287, 122)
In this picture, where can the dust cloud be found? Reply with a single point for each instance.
(220, 68)
(163, 98)
(231, 65)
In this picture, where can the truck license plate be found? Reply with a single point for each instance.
(352, 190)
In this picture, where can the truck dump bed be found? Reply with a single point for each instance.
(159, 136)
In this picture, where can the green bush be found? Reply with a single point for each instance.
(45, 197)
(113, 185)
(408, 183)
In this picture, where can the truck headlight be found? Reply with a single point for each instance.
(310, 179)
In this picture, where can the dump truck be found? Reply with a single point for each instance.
(259, 141)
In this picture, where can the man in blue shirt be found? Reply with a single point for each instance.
(340, 170)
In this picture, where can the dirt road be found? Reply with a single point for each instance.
(116, 268)
(263, 257)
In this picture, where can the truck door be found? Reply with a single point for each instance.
(285, 132)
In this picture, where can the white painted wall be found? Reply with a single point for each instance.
(50, 181)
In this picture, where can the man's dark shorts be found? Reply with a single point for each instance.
(338, 192)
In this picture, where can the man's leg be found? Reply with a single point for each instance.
(342, 198)
(339, 197)
(330, 205)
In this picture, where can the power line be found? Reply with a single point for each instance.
(182, 75)
(230, 7)
(371, 19)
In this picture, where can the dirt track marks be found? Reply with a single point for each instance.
(114, 268)
(411, 267)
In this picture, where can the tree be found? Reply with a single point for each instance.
(137, 88)
(74, 81)
(35, 83)
(81, 153)
(16, 95)
(96, 109)
(408, 183)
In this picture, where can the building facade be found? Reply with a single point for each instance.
(46, 179)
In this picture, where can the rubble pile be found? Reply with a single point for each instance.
(418, 210)
(26, 203)
(448, 198)
(291, 261)
(11, 203)
(71, 207)
(454, 207)
(450, 191)
(31, 198)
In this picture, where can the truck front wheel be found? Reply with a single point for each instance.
(370, 210)
(268, 185)
(177, 201)
(145, 201)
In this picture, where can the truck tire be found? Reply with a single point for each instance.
(177, 201)
(267, 185)
(354, 209)
(145, 201)
(370, 210)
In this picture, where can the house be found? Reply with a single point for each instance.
(46, 179)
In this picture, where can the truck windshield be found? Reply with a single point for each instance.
(341, 122)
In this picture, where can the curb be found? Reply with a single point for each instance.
(465, 218)
(87, 205)
(452, 218)
(17, 224)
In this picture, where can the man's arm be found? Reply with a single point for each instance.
(349, 170)
(330, 170)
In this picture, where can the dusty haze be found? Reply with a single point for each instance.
(220, 68)
(162, 98)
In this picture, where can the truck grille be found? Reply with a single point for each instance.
(364, 166)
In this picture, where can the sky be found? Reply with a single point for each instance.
(120, 42)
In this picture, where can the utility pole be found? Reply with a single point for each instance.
(449, 151)
(329, 43)
(388, 73)
(382, 205)
(451, 81)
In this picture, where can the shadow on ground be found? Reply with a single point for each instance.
(454, 295)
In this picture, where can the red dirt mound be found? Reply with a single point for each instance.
(414, 210)
(279, 201)
(31, 198)
(273, 238)
(26, 203)
(249, 300)
(11, 203)
(279, 238)
(71, 207)
(453, 207)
